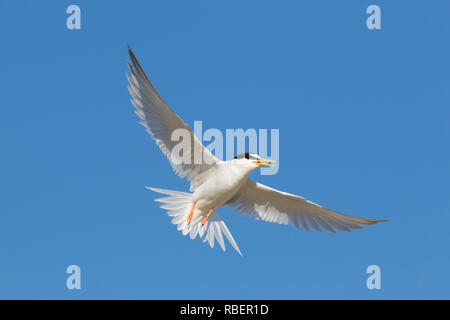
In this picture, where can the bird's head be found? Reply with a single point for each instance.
(253, 160)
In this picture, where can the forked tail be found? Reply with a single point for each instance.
(179, 204)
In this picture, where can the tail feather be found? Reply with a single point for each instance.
(178, 205)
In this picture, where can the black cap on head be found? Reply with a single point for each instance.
(247, 155)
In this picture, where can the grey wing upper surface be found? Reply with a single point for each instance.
(264, 203)
(160, 122)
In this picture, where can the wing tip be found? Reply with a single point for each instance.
(375, 221)
(130, 51)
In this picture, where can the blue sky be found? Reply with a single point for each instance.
(364, 129)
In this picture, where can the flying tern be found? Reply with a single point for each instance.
(216, 183)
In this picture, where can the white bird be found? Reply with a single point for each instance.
(216, 183)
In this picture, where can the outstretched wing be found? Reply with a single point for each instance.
(160, 121)
(268, 204)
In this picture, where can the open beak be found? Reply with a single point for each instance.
(265, 162)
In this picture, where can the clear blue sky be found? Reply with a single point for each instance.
(364, 129)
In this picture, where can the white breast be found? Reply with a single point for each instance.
(220, 185)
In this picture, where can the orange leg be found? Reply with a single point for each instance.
(207, 216)
(192, 211)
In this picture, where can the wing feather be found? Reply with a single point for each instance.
(160, 121)
(268, 204)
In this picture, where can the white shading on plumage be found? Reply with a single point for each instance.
(160, 121)
(264, 203)
(177, 206)
(216, 183)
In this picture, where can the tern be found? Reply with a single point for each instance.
(216, 183)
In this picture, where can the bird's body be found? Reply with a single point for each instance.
(215, 183)
(210, 194)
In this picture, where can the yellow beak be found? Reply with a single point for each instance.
(264, 162)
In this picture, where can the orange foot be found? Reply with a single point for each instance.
(192, 212)
(207, 216)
